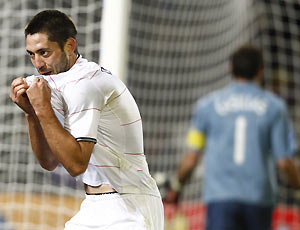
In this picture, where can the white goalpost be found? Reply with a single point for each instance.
(114, 36)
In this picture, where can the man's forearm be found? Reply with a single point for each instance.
(39, 143)
(187, 166)
(63, 145)
(185, 169)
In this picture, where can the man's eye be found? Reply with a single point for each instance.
(44, 53)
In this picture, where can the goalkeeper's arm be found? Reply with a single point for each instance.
(185, 169)
(195, 142)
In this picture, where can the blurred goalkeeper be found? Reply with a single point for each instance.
(245, 133)
(81, 116)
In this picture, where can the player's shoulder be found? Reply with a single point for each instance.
(210, 97)
(108, 80)
(89, 72)
(276, 102)
(206, 102)
(84, 68)
(101, 80)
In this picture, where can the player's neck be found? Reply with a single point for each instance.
(242, 80)
(72, 59)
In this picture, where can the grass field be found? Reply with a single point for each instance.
(31, 211)
(36, 211)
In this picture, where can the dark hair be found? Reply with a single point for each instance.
(57, 25)
(246, 61)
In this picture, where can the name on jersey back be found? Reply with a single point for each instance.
(239, 103)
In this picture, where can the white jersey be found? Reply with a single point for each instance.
(93, 105)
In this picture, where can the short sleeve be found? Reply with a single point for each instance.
(199, 117)
(196, 135)
(84, 102)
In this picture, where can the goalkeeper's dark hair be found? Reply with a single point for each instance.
(246, 61)
(56, 24)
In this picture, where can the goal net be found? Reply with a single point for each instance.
(178, 52)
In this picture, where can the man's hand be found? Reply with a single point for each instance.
(18, 95)
(174, 188)
(39, 95)
(171, 197)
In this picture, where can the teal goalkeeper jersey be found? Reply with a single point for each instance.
(246, 130)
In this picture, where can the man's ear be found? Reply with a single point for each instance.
(260, 74)
(70, 46)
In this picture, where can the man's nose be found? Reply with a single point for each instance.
(39, 63)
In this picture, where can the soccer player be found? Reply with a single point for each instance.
(81, 116)
(245, 133)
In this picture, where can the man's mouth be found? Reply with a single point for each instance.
(46, 73)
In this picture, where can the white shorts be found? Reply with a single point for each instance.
(118, 212)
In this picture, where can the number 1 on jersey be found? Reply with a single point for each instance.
(239, 140)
